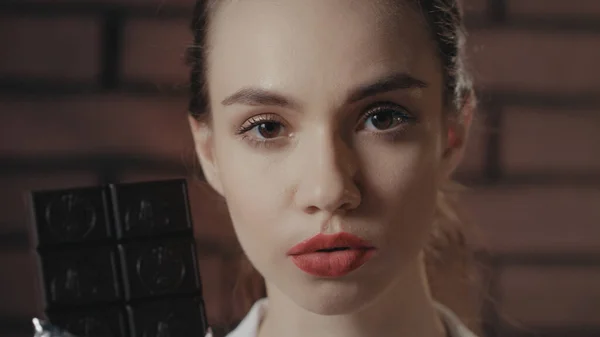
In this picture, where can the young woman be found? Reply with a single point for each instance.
(331, 128)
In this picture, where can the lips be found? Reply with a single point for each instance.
(333, 255)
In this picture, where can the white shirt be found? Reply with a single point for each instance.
(248, 327)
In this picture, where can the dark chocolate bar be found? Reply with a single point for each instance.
(120, 260)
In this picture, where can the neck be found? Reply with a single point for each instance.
(406, 309)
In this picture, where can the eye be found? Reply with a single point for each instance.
(385, 117)
(263, 127)
(268, 130)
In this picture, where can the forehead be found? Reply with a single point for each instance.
(316, 46)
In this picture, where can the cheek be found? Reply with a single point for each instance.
(401, 191)
(252, 192)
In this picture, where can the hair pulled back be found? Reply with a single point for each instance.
(447, 247)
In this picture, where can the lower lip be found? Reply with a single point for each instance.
(332, 264)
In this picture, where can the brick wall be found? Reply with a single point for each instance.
(94, 91)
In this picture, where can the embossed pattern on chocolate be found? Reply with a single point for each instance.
(119, 260)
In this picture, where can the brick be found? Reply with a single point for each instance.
(95, 124)
(474, 7)
(511, 60)
(534, 219)
(554, 7)
(158, 4)
(211, 217)
(9, 223)
(550, 141)
(473, 160)
(50, 48)
(155, 51)
(551, 297)
(20, 287)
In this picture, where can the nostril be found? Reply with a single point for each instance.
(312, 209)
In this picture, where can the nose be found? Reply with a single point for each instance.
(328, 182)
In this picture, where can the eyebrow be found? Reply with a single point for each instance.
(386, 84)
(262, 97)
(258, 97)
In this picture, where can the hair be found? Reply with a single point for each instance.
(447, 247)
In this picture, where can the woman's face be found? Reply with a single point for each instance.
(326, 117)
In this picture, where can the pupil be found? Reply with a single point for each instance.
(268, 130)
(382, 120)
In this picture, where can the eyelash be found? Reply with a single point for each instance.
(405, 116)
(254, 122)
(374, 109)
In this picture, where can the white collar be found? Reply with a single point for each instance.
(248, 327)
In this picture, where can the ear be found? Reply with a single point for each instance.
(204, 145)
(455, 135)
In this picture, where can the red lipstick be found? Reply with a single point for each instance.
(332, 255)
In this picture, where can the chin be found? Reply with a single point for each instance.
(337, 296)
(352, 293)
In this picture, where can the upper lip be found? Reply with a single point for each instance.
(330, 241)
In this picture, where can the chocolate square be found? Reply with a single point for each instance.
(159, 267)
(82, 276)
(152, 208)
(71, 216)
(105, 322)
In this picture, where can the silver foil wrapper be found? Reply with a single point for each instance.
(45, 329)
